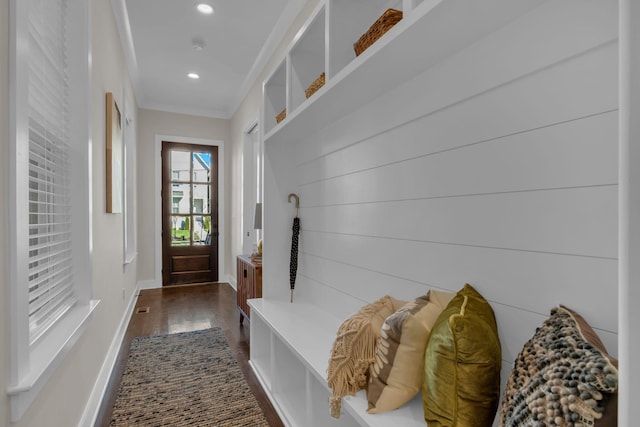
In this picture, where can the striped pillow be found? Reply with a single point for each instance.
(395, 377)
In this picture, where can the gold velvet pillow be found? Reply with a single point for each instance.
(396, 375)
(566, 365)
(462, 364)
(354, 349)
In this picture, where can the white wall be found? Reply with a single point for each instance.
(496, 167)
(152, 123)
(4, 214)
(63, 399)
(247, 112)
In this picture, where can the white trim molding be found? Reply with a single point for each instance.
(231, 281)
(150, 284)
(126, 40)
(288, 16)
(628, 211)
(92, 407)
(47, 355)
(33, 363)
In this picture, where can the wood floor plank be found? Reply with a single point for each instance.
(181, 309)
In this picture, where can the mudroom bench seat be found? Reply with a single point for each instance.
(290, 349)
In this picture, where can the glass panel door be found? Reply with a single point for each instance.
(190, 229)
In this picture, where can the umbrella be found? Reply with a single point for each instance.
(293, 264)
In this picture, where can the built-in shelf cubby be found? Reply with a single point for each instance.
(349, 20)
(261, 350)
(429, 31)
(307, 58)
(275, 95)
(290, 387)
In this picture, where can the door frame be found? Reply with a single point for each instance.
(222, 273)
(251, 146)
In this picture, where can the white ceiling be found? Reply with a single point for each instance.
(239, 37)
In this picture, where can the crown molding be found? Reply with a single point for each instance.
(126, 40)
(280, 29)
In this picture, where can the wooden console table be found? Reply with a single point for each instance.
(249, 284)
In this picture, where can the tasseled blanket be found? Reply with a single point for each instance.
(354, 350)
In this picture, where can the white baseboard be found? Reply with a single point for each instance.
(232, 282)
(154, 284)
(148, 284)
(92, 407)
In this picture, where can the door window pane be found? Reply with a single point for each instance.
(201, 230)
(180, 198)
(201, 167)
(180, 230)
(201, 198)
(180, 166)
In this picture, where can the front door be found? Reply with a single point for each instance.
(189, 213)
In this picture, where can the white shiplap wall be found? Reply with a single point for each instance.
(497, 167)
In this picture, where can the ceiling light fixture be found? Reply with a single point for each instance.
(198, 43)
(193, 76)
(204, 8)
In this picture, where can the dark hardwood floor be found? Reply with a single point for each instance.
(186, 308)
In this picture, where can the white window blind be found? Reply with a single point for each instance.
(51, 292)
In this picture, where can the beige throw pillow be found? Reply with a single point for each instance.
(396, 374)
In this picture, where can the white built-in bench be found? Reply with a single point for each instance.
(290, 349)
(464, 146)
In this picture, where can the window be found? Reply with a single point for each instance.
(130, 211)
(50, 277)
(50, 273)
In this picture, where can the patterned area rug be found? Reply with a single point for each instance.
(185, 379)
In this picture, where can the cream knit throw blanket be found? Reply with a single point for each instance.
(354, 350)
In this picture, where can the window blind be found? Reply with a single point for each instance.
(50, 255)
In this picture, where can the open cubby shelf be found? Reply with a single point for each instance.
(430, 31)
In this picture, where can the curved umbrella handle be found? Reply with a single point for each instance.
(295, 196)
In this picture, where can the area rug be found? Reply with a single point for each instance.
(185, 379)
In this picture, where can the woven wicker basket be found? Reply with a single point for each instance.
(280, 117)
(317, 84)
(386, 21)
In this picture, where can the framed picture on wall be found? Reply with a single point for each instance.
(114, 155)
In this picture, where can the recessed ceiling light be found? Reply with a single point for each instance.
(198, 43)
(193, 76)
(204, 8)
